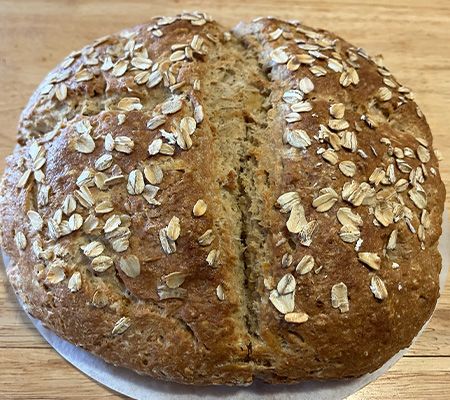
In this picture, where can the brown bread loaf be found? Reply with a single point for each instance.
(212, 207)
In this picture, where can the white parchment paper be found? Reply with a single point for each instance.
(140, 387)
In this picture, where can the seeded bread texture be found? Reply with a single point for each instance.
(213, 207)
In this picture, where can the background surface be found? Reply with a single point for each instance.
(414, 37)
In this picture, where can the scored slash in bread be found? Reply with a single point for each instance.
(212, 207)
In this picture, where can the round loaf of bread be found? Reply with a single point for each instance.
(214, 207)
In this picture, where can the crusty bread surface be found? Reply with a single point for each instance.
(212, 207)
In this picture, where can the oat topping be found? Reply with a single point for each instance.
(296, 220)
(326, 199)
(378, 288)
(155, 147)
(283, 303)
(36, 220)
(24, 179)
(293, 96)
(296, 317)
(130, 265)
(156, 121)
(129, 104)
(75, 222)
(149, 193)
(135, 182)
(275, 34)
(200, 208)
(167, 244)
(339, 297)
(174, 279)
(377, 176)
(123, 144)
(121, 326)
(55, 273)
(220, 293)
(418, 196)
(153, 174)
(74, 283)
(338, 124)
(286, 284)
(165, 292)
(207, 238)
(212, 257)
(306, 85)
(93, 249)
(101, 263)
(348, 168)
(337, 110)
(372, 260)
(302, 106)
(103, 162)
(104, 207)
(349, 140)
(188, 126)
(297, 138)
(349, 77)
(331, 156)
(173, 229)
(288, 200)
(305, 265)
(85, 144)
(83, 75)
(390, 195)
(109, 142)
(286, 260)
(172, 105)
(20, 240)
(279, 55)
(384, 94)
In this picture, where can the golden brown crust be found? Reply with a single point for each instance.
(333, 344)
(205, 338)
(227, 322)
